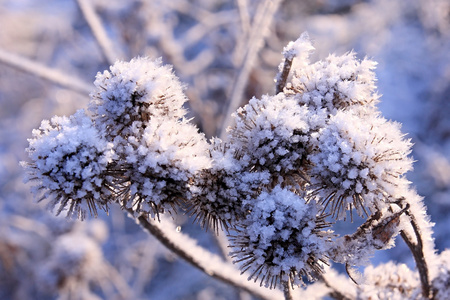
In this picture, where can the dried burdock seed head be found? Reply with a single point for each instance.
(336, 83)
(135, 91)
(273, 135)
(358, 163)
(68, 163)
(159, 167)
(138, 105)
(218, 193)
(281, 240)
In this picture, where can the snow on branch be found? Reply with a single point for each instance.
(211, 264)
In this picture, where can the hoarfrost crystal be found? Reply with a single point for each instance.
(69, 160)
(281, 239)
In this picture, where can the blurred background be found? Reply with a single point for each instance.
(226, 52)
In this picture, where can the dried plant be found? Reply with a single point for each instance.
(292, 165)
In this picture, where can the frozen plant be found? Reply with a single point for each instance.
(292, 166)
(281, 239)
(69, 164)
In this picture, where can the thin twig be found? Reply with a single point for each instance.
(56, 76)
(99, 32)
(287, 291)
(210, 265)
(335, 292)
(242, 39)
(282, 77)
(416, 248)
(117, 280)
(417, 251)
(244, 15)
(260, 28)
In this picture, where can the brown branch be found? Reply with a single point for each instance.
(416, 248)
(282, 77)
(287, 290)
(417, 251)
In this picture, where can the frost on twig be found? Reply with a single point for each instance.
(300, 50)
(200, 258)
(378, 232)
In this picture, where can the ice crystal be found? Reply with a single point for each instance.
(299, 49)
(139, 106)
(137, 148)
(218, 193)
(273, 134)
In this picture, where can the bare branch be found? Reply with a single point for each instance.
(94, 22)
(260, 27)
(417, 251)
(205, 261)
(244, 15)
(287, 291)
(283, 75)
(122, 287)
(56, 76)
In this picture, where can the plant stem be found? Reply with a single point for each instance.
(59, 77)
(282, 77)
(417, 251)
(287, 290)
(203, 260)
(260, 29)
(94, 22)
